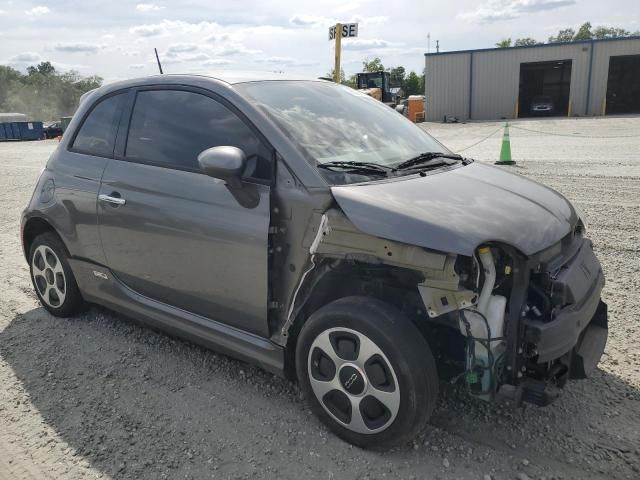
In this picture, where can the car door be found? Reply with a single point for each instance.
(75, 171)
(176, 235)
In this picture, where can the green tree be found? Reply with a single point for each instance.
(413, 85)
(583, 33)
(8, 76)
(349, 82)
(610, 32)
(397, 76)
(525, 42)
(565, 35)
(43, 68)
(374, 65)
(43, 93)
(332, 73)
(504, 43)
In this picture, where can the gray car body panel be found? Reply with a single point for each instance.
(182, 238)
(459, 209)
(66, 196)
(451, 212)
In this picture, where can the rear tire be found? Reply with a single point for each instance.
(52, 277)
(367, 372)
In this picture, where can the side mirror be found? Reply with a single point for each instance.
(225, 163)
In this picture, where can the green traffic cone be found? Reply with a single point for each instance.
(505, 149)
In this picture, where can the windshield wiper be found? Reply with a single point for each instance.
(357, 167)
(428, 159)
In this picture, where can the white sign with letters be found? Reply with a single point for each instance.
(348, 30)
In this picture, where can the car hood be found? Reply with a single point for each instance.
(457, 210)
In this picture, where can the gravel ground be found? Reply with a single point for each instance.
(98, 396)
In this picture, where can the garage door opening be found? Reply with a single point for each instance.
(544, 88)
(623, 86)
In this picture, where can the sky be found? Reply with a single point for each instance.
(115, 38)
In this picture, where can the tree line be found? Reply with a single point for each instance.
(411, 83)
(43, 93)
(585, 32)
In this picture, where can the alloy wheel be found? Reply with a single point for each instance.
(48, 276)
(353, 380)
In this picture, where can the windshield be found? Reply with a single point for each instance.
(333, 123)
(370, 81)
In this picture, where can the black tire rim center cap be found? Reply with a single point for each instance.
(352, 380)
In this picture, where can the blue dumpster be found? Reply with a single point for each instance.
(20, 131)
(30, 130)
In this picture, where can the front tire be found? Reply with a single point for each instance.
(367, 372)
(52, 277)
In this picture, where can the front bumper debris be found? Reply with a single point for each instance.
(568, 345)
(577, 285)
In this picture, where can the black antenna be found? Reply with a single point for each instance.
(158, 59)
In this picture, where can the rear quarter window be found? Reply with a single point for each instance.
(97, 134)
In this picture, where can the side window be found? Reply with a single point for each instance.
(171, 127)
(97, 134)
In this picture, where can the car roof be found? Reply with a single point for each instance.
(228, 77)
(225, 78)
(234, 77)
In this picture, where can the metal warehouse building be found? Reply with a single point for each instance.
(594, 77)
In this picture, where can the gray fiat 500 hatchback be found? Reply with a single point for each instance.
(312, 230)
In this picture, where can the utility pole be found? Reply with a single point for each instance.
(437, 46)
(336, 71)
(429, 42)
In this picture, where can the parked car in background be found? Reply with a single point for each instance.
(542, 104)
(52, 129)
(310, 229)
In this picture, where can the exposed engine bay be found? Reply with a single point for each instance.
(506, 324)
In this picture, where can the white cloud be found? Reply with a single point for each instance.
(78, 47)
(378, 20)
(310, 21)
(288, 62)
(314, 21)
(25, 57)
(232, 49)
(217, 61)
(148, 7)
(365, 44)
(37, 11)
(62, 66)
(215, 38)
(129, 53)
(137, 66)
(283, 60)
(198, 57)
(167, 27)
(349, 6)
(182, 47)
(283, 35)
(497, 10)
(146, 30)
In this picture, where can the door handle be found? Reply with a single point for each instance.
(111, 199)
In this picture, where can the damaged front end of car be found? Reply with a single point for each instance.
(506, 324)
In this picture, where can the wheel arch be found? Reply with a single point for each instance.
(337, 279)
(34, 226)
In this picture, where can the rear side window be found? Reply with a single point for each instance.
(170, 128)
(97, 134)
